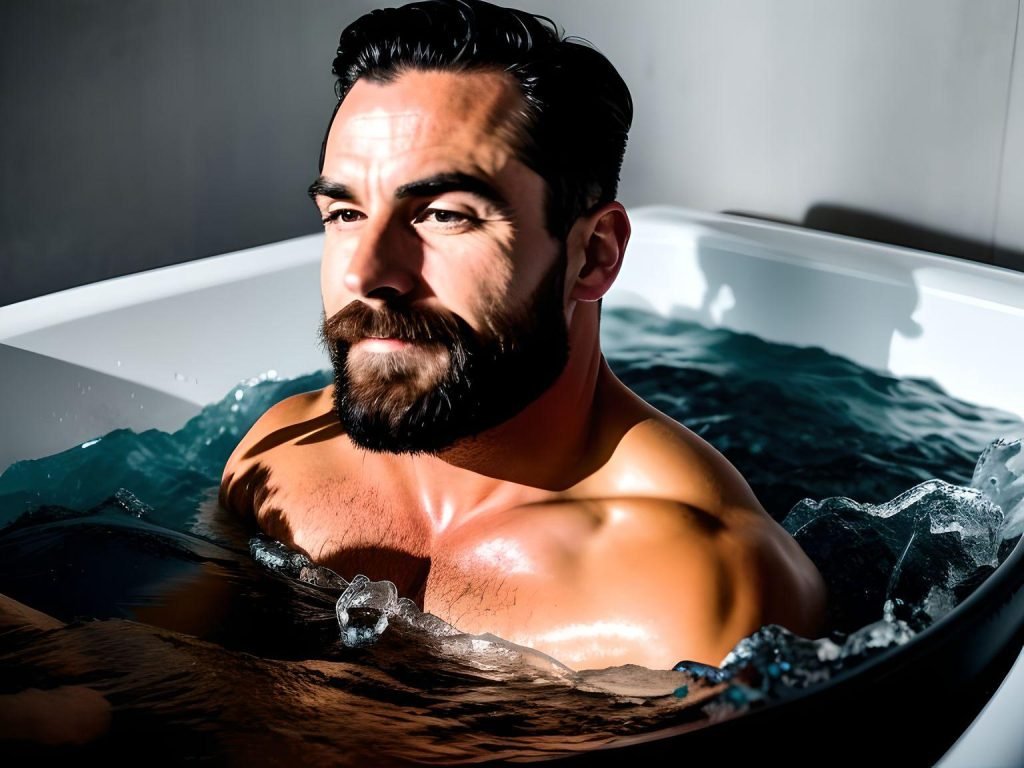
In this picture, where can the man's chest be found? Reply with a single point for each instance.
(344, 524)
(354, 527)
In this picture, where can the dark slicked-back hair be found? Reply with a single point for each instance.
(576, 108)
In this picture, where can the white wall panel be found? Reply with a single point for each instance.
(1010, 222)
(773, 106)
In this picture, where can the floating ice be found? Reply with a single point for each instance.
(899, 566)
(999, 475)
(363, 610)
(366, 608)
(277, 557)
(131, 503)
(773, 661)
(927, 548)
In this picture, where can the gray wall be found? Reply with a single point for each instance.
(896, 121)
(1010, 221)
(139, 133)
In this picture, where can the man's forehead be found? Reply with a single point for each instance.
(428, 108)
(397, 130)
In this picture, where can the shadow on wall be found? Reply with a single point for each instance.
(772, 296)
(853, 222)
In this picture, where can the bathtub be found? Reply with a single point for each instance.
(148, 350)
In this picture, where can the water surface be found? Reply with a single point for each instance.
(207, 651)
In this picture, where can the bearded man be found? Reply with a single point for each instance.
(475, 448)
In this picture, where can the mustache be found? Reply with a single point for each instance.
(358, 321)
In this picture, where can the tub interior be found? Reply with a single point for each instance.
(149, 350)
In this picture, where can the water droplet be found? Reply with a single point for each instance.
(735, 695)
(239, 394)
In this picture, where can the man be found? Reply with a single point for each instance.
(475, 448)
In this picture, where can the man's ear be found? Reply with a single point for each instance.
(598, 242)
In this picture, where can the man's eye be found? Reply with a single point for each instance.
(446, 219)
(345, 215)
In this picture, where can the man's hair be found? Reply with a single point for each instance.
(577, 109)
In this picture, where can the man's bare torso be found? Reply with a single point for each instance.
(656, 551)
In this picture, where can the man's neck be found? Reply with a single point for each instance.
(545, 446)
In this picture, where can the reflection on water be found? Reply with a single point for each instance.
(203, 649)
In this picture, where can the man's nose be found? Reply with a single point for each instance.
(384, 264)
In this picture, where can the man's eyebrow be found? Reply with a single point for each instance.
(438, 184)
(441, 183)
(327, 188)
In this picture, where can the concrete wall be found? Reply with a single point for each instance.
(138, 134)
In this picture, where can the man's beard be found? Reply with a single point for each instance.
(452, 382)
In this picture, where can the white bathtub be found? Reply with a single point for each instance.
(149, 350)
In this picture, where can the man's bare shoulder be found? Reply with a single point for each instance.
(278, 428)
(690, 483)
(655, 455)
(627, 579)
(722, 572)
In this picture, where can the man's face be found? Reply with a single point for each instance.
(444, 293)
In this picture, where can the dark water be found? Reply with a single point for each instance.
(204, 651)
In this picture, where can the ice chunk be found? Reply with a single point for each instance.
(920, 547)
(363, 610)
(319, 576)
(131, 503)
(502, 659)
(999, 474)
(412, 616)
(278, 557)
(635, 681)
(969, 513)
(773, 660)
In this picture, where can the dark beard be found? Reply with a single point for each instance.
(479, 380)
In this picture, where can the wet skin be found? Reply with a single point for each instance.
(589, 525)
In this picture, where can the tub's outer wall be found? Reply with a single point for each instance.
(182, 336)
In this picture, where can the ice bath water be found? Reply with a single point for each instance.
(210, 641)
